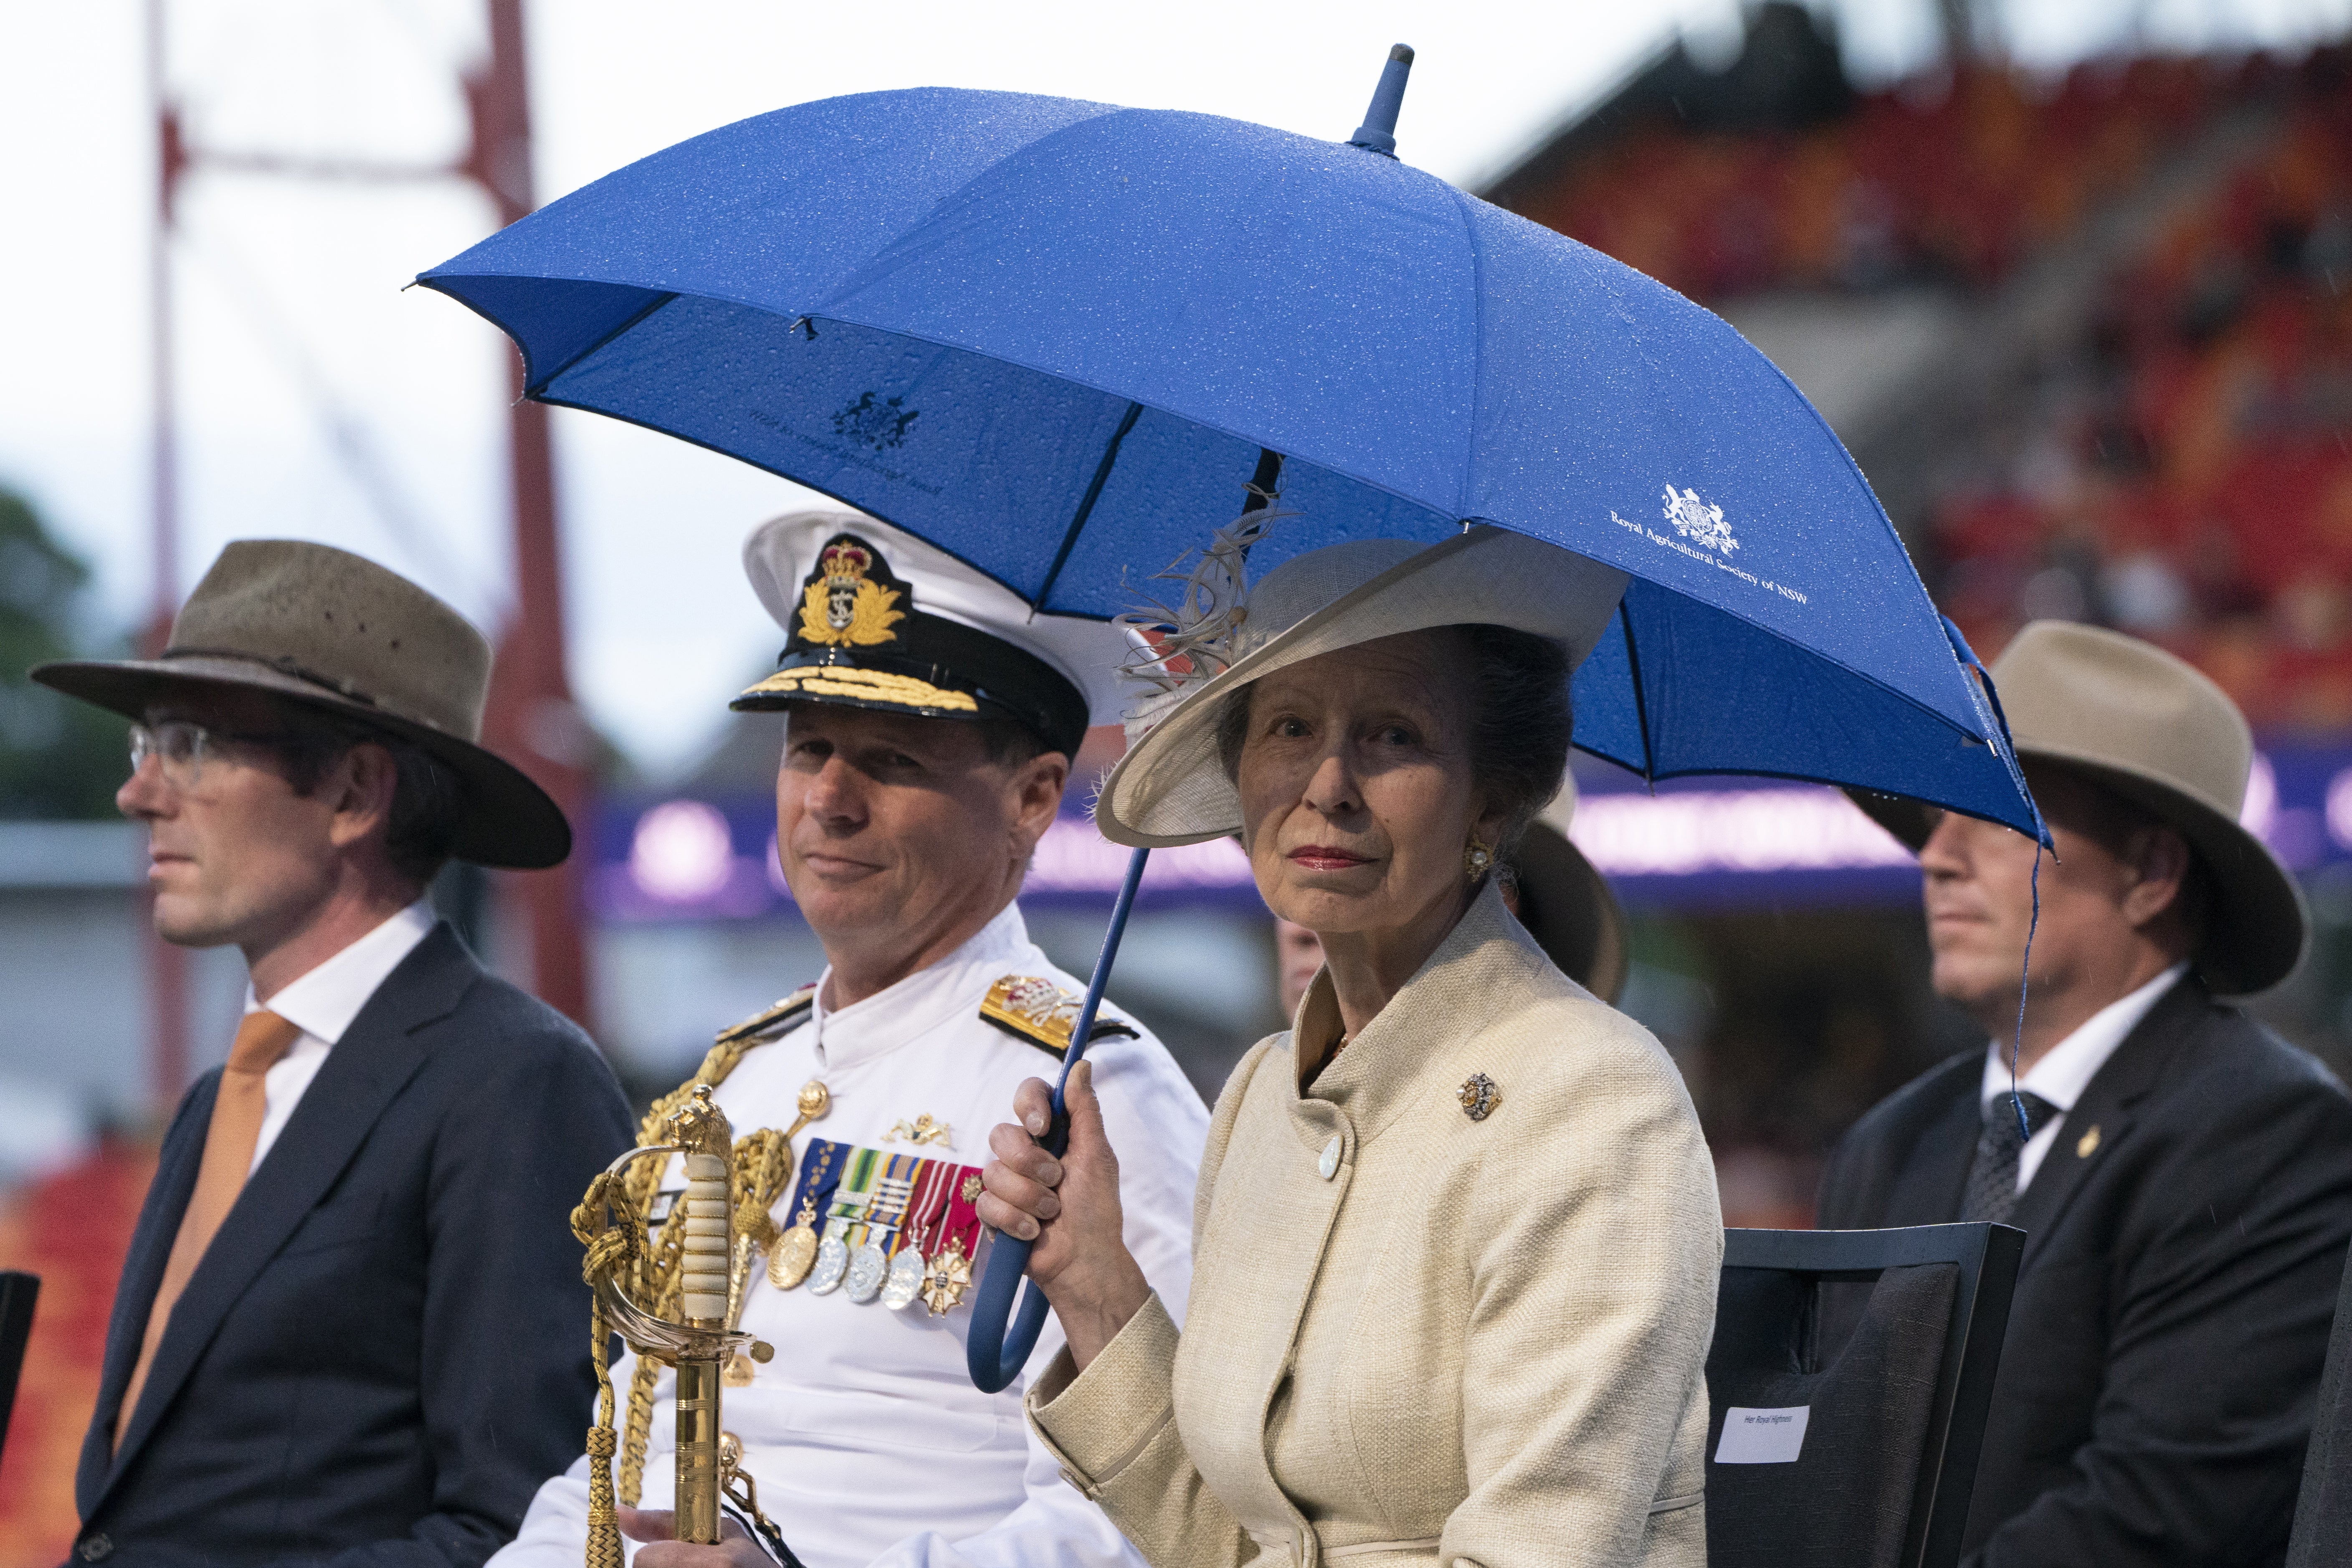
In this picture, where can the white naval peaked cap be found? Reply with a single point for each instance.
(875, 617)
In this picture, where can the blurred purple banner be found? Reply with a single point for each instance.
(1692, 844)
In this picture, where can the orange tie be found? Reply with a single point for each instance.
(229, 1139)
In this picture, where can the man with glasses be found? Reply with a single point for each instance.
(351, 1325)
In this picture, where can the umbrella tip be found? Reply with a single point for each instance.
(1378, 132)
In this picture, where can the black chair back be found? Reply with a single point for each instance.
(18, 1294)
(2323, 1510)
(1852, 1371)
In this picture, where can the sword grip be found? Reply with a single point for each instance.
(703, 1262)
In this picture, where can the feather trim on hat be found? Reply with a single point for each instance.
(1183, 646)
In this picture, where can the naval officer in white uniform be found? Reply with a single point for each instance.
(931, 721)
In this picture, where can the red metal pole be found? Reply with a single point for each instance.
(167, 965)
(530, 717)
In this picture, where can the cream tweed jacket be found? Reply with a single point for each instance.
(1417, 1338)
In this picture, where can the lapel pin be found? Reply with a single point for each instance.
(2088, 1143)
(1478, 1096)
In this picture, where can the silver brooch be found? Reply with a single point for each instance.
(1478, 1096)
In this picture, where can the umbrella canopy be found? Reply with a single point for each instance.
(1053, 336)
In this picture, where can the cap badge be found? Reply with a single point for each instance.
(842, 605)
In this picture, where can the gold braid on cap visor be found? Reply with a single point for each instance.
(863, 686)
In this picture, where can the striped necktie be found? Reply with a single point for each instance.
(229, 1140)
(1993, 1177)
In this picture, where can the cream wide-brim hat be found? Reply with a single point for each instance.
(2128, 716)
(1171, 787)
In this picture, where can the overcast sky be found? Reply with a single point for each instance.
(320, 401)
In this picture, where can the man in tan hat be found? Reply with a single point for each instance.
(2184, 1177)
(350, 1324)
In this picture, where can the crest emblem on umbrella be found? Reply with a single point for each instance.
(1700, 523)
(879, 423)
(842, 605)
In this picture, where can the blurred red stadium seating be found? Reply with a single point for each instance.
(72, 1229)
(2185, 470)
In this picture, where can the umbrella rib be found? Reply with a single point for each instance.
(1462, 200)
(634, 317)
(1086, 506)
(1641, 703)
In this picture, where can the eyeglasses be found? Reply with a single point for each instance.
(180, 746)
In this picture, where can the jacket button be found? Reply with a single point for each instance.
(96, 1548)
(1329, 1163)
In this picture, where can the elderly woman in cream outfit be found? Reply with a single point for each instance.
(1456, 1237)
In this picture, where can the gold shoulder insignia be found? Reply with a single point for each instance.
(1043, 1014)
(761, 1028)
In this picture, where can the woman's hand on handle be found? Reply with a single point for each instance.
(1069, 1207)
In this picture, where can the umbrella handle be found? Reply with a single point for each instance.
(993, 1353)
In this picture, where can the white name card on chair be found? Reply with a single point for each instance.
(1762, 1437)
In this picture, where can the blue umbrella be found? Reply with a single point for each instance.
(1056, 338)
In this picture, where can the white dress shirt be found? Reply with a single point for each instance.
(866, 1438)
(322, 1003)
(2067, 1070)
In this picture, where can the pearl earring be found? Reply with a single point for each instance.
(1477, 860)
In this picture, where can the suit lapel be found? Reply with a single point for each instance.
(1928, 1189)
(2106, 1105)
(143, 1276)
(365, 1071)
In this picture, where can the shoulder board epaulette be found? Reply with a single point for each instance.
(1042, 1013)
(774, 1021)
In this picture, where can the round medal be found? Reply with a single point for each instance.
(866, 1271)
(832, 1263)
(794, 1255)
(906, 1279)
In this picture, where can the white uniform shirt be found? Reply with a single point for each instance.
(2067, 1070)
(864, 1434)
(322, 1003)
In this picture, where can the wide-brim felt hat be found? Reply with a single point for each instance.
(1171, 787)
(1568, 906)
(331, 631)
(875, 617)
(2128, 716)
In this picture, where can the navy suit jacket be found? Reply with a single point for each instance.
(384, 1350)
(2174, 1300)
